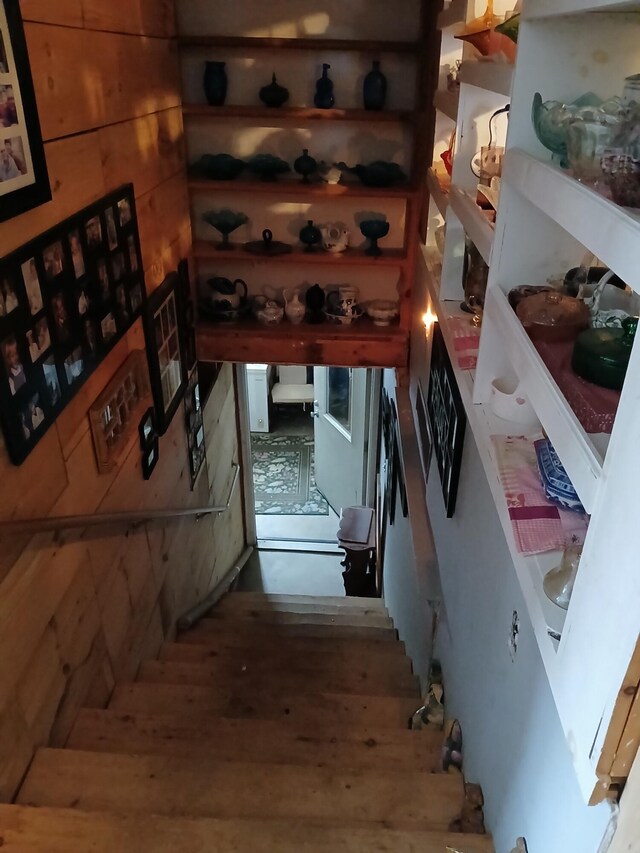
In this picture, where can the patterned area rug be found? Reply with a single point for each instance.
(284, 476)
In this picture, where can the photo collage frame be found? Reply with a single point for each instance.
(24, 181)
(194, 425)
(66, 299)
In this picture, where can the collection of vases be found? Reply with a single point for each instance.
(374, 89)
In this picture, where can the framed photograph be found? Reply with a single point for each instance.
(194, 424)
(65, 301)
(147, 428)
(150, 458)
(447, 420)
(24, 181)
(165, 350)
(425, 439)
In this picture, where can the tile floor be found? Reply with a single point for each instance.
(292, 573)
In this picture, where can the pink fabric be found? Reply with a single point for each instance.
(595, 407)
(466, 341)
(538, 525)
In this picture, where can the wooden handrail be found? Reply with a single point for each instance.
(134, 517)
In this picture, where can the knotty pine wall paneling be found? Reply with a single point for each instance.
(80, 609)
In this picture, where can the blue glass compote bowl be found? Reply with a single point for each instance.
(225, 221)
(374, 230)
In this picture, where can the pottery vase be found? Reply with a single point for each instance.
(274, 95)
(324, 98)
(375, 88)
(310, 235)
(293, 307)
(215, 83)
(305, 166)
(315, 299)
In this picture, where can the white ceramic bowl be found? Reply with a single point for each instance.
(382, 311)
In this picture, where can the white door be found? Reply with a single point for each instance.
(341, 430)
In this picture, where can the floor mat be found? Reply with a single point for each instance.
(284, 476)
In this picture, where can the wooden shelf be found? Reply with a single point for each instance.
(447, 103)
(294, 187)
(320, 44)
(491, 76)
(205, 251)
(437, 193)
(292, 114)
(609, 231)
(359, 345)
(474, 222)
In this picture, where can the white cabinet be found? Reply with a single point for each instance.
(258, 392)
(545, 223)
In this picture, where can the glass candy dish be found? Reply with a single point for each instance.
(226, 222)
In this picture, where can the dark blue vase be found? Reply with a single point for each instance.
(310, 236)
(324, 99)
(215, 83)
(375, 88)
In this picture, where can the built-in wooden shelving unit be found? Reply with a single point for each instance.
(322, 44)
(351, 257)
(295, 114)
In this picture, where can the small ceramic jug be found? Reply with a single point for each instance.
(294, 308)
(343, 301)
(227, 295)
(335, 237)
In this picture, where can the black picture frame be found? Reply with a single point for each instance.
(147, 428)
(66, 298)
(447, 420)
(164, 337)
(425, 438)
(150, 457)
(194, 425)
(24, 179)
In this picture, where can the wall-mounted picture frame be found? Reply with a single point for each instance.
(66, 298)
(425, 439)
(164, 336)
(147, 428)
(194, 425)
(150, 458)
(24, 180)
(447, 419)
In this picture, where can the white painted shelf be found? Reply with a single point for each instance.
(536, 9)
(574, 446)
(492, 76)
(436, 192)
(455, 13)
(474, 222)
(609, 231)
(447, 103)
(547, 618)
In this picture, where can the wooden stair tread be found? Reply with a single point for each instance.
(239, 602)
(258, 677)
(26, 830)
(366, 619)
(333, 631)
(324, 711)
(261, 741)
(210, 634)
(204, 788)
(306, 661)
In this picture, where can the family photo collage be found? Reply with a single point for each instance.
(66, 298)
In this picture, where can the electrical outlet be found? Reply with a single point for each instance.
(513, 635)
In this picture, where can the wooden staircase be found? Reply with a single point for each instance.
(279, 723)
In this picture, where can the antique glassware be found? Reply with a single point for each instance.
(588, 137)
(474, 278)
(558, 583)
(226, 222)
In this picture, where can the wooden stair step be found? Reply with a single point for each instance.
(27, 830)
(290, 658)
(153, 784)
(238, 626)
(239, 602)
(259, 677)
(239, 633)
(321, 711)
(261, 741)
(366, 619)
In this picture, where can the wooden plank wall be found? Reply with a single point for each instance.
(80, 610)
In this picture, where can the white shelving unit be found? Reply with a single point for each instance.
(545, 223)
(447, 103)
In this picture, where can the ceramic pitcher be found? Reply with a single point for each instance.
(227, 295)
(294, 308)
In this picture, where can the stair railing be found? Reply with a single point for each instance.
(129, 517)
